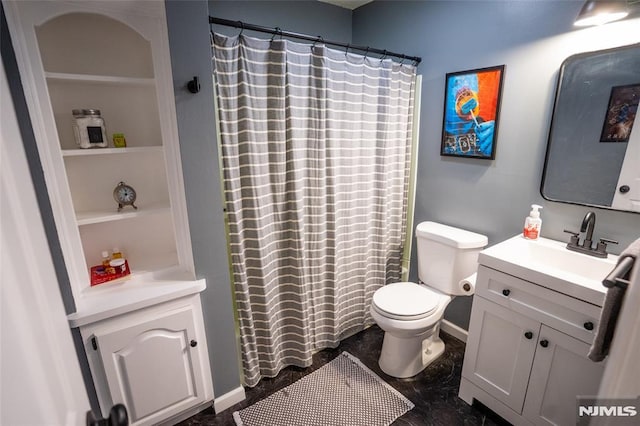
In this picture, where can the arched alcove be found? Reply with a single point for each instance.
(88, 43)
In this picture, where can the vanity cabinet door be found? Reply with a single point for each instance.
(500, 351)
(561, 371)
(153, 367)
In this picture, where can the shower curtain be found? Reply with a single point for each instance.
(316, 147)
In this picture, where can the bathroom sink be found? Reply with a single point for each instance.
(548, 263)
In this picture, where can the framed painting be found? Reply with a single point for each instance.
(621, 113)
(471, 110)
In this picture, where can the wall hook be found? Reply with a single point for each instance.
(194, 85)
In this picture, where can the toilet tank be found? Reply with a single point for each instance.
(446, 255)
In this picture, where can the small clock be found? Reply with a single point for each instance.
(124, 195)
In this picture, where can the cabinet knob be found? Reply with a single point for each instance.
(193, 343)
(588, 325)
(544, 343)
(506, 292)
(528, 335)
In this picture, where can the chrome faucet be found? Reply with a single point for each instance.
(586, 247)
(588, 224)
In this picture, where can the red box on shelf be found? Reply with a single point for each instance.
(100, 274)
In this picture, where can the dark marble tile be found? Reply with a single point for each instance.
(434, 391)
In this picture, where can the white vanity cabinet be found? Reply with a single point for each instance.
(144, 337)
(153, 360)
(526, 355)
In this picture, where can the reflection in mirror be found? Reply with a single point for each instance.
(593, 152)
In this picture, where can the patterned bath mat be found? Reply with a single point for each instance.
(344, 392)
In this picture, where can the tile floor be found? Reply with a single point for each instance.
(434, 391)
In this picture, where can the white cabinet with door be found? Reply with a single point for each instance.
(526, 355)
(153, 360)
(114, 56)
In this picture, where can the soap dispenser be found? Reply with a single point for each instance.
(533, 223)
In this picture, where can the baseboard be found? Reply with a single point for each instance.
(454, 330)
(228, 399)
(184, 415)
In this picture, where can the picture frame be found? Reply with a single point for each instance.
(621, 113)
(471, 112)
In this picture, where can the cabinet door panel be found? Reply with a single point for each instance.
(152, 368)
(499, 356)
(560, 373)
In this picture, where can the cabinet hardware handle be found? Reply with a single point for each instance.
(528, 335)
(588, 325)
(544, 343)
(506, 292)
(193, 343)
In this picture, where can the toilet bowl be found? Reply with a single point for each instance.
(410, 313)
(411, 340)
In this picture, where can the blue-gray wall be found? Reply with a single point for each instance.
(531, 38)
(308, 17)
(188, 23)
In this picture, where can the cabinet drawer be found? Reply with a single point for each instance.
(564, 313)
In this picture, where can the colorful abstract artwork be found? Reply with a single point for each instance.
(471, 109)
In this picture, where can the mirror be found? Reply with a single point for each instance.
(593, 151)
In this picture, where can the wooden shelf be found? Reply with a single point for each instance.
(92, 217)
(110, 151)
(104, 79)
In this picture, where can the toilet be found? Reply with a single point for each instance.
(410, 313)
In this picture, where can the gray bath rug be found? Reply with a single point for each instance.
(344, 392)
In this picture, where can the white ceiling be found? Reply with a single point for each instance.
(348, 4)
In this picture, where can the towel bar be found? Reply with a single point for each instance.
(617, 276)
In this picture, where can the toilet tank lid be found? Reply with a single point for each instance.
(450, 236)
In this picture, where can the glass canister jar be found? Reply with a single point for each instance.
(77, 113)
(91, 129)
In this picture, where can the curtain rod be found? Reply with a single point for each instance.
(277, 31)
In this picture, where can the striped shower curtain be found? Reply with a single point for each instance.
(316, 147)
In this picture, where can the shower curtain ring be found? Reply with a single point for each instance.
(317, 40)
(241, 27)
(384, 55)
(403, 58)
(366, 52)
(277, 31)
(346, 50)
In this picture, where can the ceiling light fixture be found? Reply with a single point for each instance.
(595, 12)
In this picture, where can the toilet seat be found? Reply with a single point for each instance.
(405, 301)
